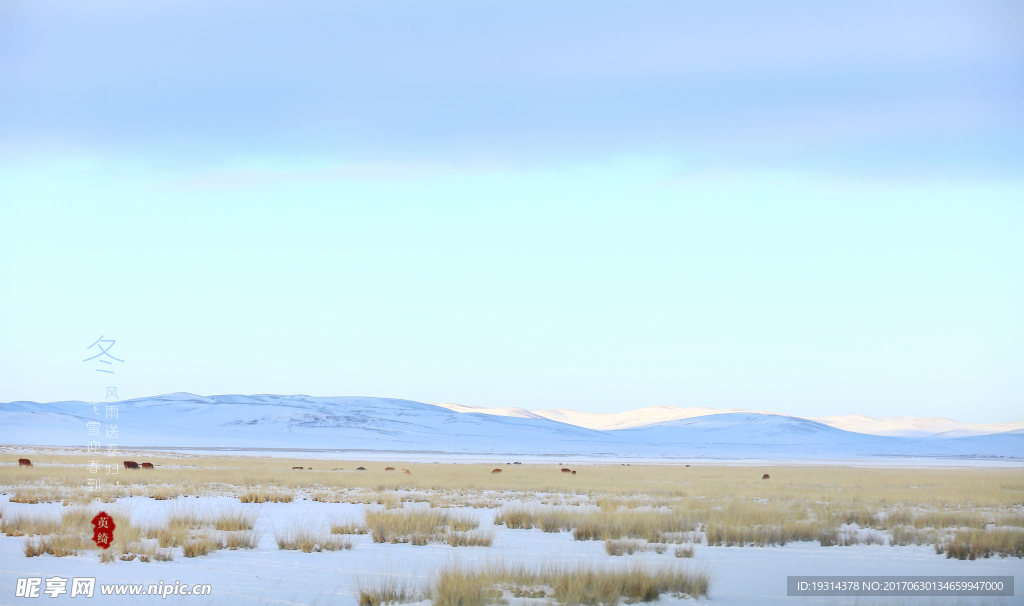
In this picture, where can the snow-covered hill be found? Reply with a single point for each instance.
(643, 417)
(358, 424)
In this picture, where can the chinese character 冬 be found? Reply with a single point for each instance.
(104, 351)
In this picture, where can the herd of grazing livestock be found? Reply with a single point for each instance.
(134, 465)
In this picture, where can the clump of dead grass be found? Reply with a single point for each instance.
(974, 544)
(422, 526)
(348, 528)
(200, 545)
(631, 546)
(263, 495)
(387, 589)
(569, 585)
(307, 538)
(235, 519)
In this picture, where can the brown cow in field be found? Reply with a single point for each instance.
(496, 470)
(566, 470)
(407, 472)
(573, 472)
(24, 463)
(147, 466)
(297, 468)
(766, 477)
(131, 465)
(517, 463)
(389, 469)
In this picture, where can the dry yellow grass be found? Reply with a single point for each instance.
(386, 589)
(422, 526)
(308, 538)
(973, 544)
(655, 503)
(60, 477)
(569, 585)
(235, 519)
(240, 539)
(199, 546)
(347, 528)
(631, 546)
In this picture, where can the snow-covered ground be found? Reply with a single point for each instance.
(741, 575)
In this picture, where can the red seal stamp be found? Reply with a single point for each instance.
(103, 529)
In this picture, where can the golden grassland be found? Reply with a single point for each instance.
(629, 486)
(964, 512)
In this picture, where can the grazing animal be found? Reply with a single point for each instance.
(360, 469)
(566, 470)
(407, 472)
(24, 463)
(687, 465)
(766, 477)
(147, 466)
(131, 465)
(517, 463)
(573, 472)
(296, 468)
(389, 469)
(496, 470)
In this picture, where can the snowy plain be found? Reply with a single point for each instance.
(741, 575)
(390, 429)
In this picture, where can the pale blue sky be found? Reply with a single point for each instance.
(805, 207)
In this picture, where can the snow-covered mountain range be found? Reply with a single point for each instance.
(876, 426)
(360, 425)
